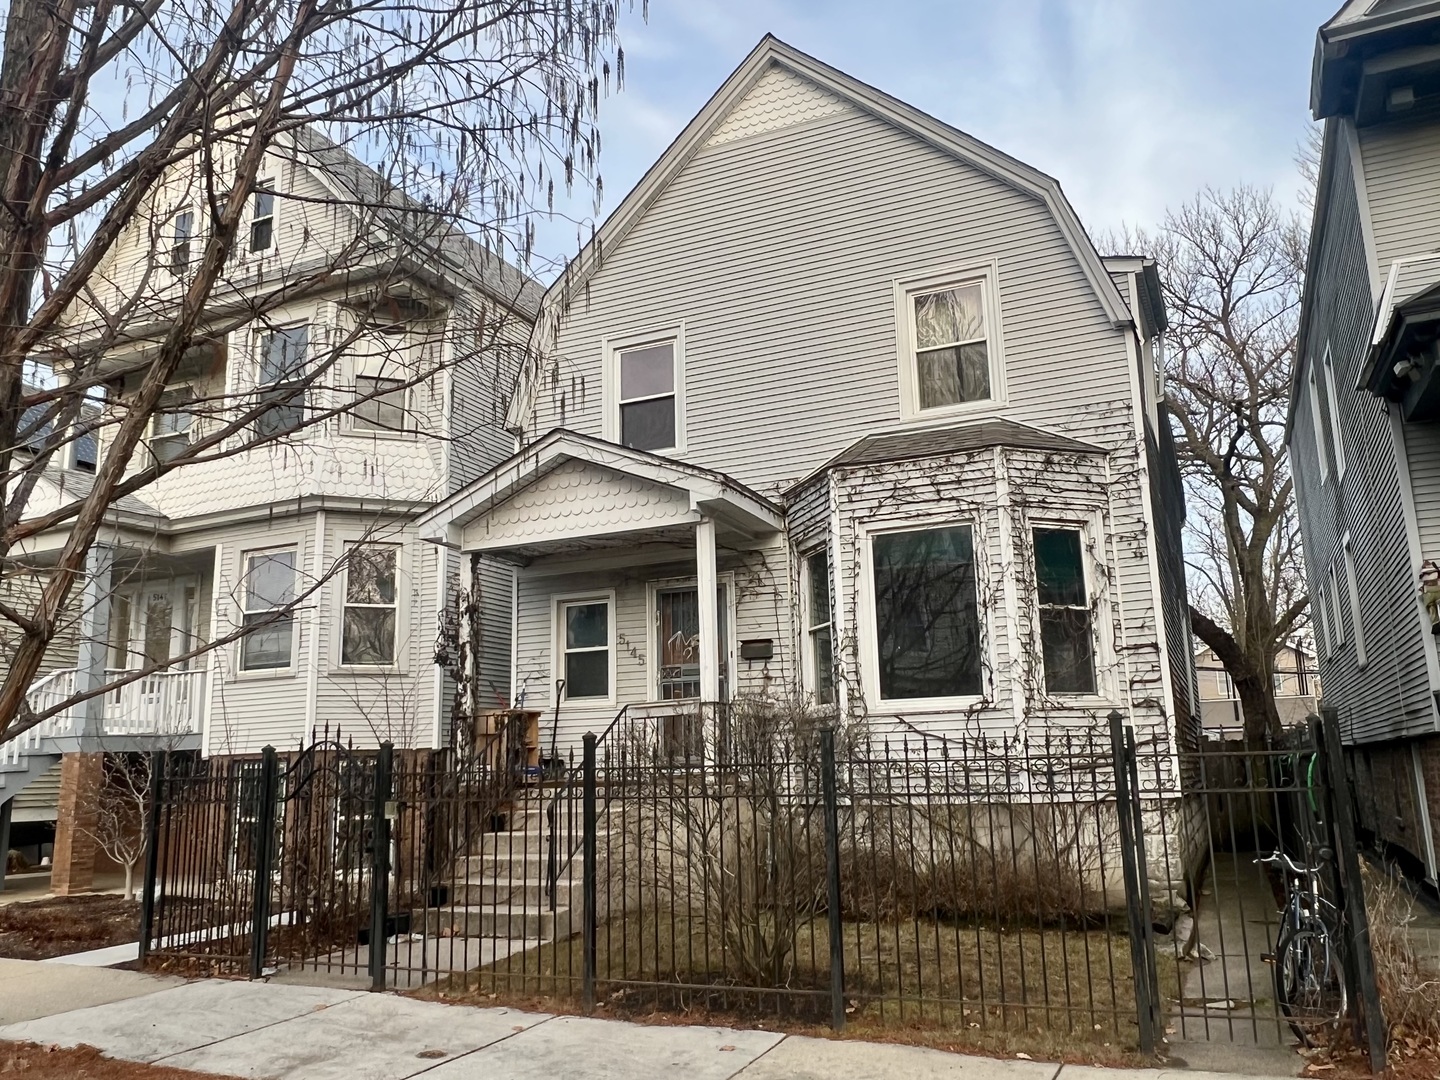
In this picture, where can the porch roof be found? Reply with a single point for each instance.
(568, 491)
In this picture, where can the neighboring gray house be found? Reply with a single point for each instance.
(1365, 413)
(843, 403)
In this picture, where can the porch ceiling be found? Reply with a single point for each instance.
(570, 493)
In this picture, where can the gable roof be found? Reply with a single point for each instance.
(771, 51)
(706, 487)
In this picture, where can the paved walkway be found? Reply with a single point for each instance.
(292, 1032)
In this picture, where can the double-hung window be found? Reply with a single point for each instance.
(268, 595)
(819, 629)
(1337, 441)
(180, 245)
(648, 412)
(1352, 589)
(170, 427)
(1067, 634)
(262, 217)
(382, 370)
(927, 620)
(951, 347)
(370, 618)
(585, 647)
(284, 364)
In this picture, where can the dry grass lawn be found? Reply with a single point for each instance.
(81, 1063)
(1055, 995)
(60, 925)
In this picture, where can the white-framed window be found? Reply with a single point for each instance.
(647, 381)
(383, 372)
(184, 229)
(262, 216)
(819, 626)
(949, 334)
(1277, 683)
(1318, 421)
(585, 633)
(1337, 621)
(267, 595)
(1337, 441)
(1322, 605)
(284, 370)
(1352, 589)
(171, 424)
(370, 615)
(1222, 685)
(1062, 598)
(926, 629)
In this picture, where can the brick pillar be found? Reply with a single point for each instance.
(74, 860)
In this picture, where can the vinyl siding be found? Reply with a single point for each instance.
(482, 377)
(1403, 184)
(777, 254)
(1391, 696)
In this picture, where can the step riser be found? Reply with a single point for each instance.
(492, 923)
(530, 897)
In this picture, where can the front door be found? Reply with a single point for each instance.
(677, 625)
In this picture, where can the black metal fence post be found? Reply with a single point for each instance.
(152, 854)
(588, 825)
(1356, 934)
(832, 878)
(1142, 881)
(1124, 809)
(380, 863)
(264, 856)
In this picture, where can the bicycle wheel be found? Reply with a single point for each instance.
(1309, 982)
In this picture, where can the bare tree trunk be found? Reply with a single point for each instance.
(1253, 678)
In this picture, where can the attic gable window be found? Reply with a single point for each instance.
(262, 217)
(180, 247)
(949, 344)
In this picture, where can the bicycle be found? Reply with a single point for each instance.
(1309, 975)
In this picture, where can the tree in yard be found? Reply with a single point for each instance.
(1232, 265)
(115, 812)
(438, 131)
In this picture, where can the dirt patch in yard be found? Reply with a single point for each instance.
(61, 925)
(80, 1063)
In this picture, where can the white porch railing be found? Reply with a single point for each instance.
(162, 703)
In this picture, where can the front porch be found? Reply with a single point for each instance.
(643, 585)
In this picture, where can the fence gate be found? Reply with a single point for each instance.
(1243, 890)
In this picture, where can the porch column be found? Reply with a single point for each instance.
(707, 587)
(73, 864)
(87, 717)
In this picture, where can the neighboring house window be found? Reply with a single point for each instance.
(262, 218)
(818, 627)
(585, 644)
(1317, 418)
(1222, 684)
(927, 621)
(1337, 624)
(1336, 440)
(170, 427)
(951, 351)
(648, 415)
(370, 618)
(1067, 639)
(180, 248)
(1277, 683)
(268, 593)
(1352, 588)
(284, 359)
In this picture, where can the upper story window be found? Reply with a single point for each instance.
(1337, 442)
(284, 371)
(819, 627)
(268, 594)
(170, 427)
(370, 618)
(1317, 419)
(382, 383)
(949, 355)
(262, 217)
(648, 410)
(1067, 634)
(180, 245)
(927, 619)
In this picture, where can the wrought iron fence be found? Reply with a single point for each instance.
(751, 861)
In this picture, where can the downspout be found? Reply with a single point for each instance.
(312, 660)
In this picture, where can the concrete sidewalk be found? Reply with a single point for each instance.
(291, 1032)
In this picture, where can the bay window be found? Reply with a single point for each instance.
(267, 595)
(284, 364)
(1067, 635)
(370, 617)
(819, 629)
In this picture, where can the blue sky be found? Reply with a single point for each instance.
(1132, 105)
